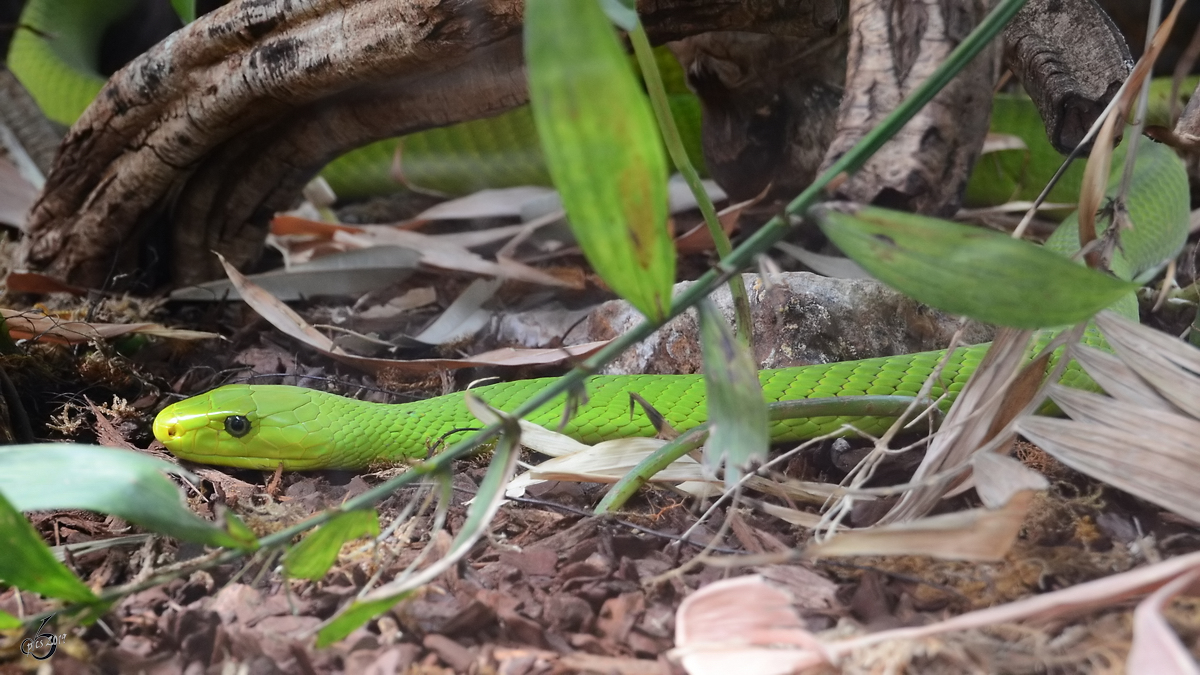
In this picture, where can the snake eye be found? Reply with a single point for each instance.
(237, 425)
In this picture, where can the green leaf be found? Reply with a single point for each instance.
(186, 9)
(119, 482)
(353, 616)
(28, 564)
(621, 12)
(970, 271)
(999, 177)
(602, 146)
(8, 621)
(737, 412)
(312, 557)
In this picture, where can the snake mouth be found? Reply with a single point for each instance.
(168, 431)
(260, 463)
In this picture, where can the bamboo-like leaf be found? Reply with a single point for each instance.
(602, 146)
(1169, 365)
(312, 557)
(186, 9)
(737, 413)
(1142, 438)
(28, 564)
(118, 482)
(354, 615)
(965, 270)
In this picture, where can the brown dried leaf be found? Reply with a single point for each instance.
(1171, 366)
(282, 317)
(976, 534)
(967, 426)
(23, 325)
(447, 252)
(42, 284)
(1111, 442)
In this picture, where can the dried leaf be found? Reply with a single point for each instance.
(967, 426)
(16, 195)
(999, 478)
(826, 265)
(349, 273)
(282, 317)
(1117, 379)
(495, 203)
(742, 625)
(42, 284)
(1111, 444)
(1156, 646)
(976, 534)
(1171, 366)
(695, 630)
(42, 328)
(465, 316)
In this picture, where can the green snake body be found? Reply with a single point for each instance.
(309, 429)
(306, 429)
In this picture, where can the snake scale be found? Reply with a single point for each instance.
(263, 426)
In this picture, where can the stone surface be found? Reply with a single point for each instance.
(799, 319)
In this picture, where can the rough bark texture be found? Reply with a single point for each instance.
(894, 46)
(1071, 59)
(242, 90)
(227, 119)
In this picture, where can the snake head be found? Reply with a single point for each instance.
(249, 426)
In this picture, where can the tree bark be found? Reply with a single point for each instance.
(253, 81)
(223, 123)
(1071, 59)
(894, 46)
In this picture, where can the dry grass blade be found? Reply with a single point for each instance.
(1119, 380)
(1143, 439)
(1171, 366)
(967, 426)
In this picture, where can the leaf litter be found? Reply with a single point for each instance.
(605, 589)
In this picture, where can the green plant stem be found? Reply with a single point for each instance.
(683, 163)
(742, 255)
(842, 406)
